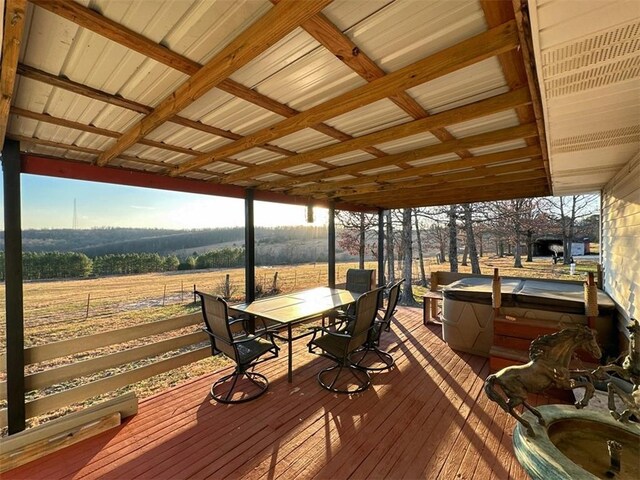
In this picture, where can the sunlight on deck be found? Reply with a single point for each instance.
(426, 418)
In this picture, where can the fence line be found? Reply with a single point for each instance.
(88, 305)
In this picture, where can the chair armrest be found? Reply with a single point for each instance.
(329, 332)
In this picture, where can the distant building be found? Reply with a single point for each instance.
(542, 245)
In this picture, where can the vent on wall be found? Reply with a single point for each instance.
(590, 141)
(608, 57)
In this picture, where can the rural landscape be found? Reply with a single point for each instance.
(83, 282)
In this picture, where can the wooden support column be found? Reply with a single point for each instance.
(13, 286)
(381, 280)
(331, 251)
(249, 248)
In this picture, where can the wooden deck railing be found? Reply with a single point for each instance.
(65, 348)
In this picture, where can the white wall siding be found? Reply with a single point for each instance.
(620, 241)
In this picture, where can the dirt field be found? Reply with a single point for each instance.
(59, 310)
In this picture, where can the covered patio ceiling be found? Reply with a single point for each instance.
(376, 104)
(379, 104)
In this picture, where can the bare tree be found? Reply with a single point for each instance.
(453, 239)
(390, 246)
(508, 221)
(567, 210)
(437, 234)
(423, 277)
(406, 296)
(471, 240)
(354, 232)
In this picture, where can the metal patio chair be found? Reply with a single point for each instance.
(244, 349)
(371, 348)
(339, 345)
(359, 281)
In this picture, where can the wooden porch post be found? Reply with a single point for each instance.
(249, 248)
(13, 287)
(381, 280)
(331, 257)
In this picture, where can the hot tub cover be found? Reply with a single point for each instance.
(539, 294)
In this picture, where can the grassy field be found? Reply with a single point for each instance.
(59, 310)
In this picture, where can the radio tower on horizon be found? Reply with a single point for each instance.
(75, 215)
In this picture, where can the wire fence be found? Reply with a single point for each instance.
(50, 303)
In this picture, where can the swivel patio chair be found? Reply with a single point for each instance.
(371, 349)
(244, 349)
(339, 345)
(359, 281)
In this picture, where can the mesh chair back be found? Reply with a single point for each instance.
(366, 310)
(359, 280)
(216, 320)
(392, 303)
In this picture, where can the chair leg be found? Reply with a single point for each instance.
(385, 359)
(257, 381)
(362, 378)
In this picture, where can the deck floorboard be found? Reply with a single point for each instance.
(426, 418)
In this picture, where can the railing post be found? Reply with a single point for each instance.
(249, 248)
(13, 287)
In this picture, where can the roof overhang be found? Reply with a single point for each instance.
(369, 105)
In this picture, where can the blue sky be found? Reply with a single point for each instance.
(48, 203)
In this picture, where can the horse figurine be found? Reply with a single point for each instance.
(630, 371)
(548, 367)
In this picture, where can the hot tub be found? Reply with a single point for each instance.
(467, 322)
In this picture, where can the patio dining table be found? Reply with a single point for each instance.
(296, 307)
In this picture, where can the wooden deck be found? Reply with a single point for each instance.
(426, 418)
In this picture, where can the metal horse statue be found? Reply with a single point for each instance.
(630, 371)
(548, 367)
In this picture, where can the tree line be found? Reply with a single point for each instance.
(52, 265)
(504, 227)
(104, 241)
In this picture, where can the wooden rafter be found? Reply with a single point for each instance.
(467, 189)
(334, 40)
(465, 53)
(513, 171)
(115, 32)
(474, 141)
(95, 152)
(522, 20)
(263, 33)
(462, 192)
(44, 117)
(14, 14)
(441, 167)
(471, 111)
(501, 192)
(80, 89)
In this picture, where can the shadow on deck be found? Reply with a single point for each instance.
(426, 418)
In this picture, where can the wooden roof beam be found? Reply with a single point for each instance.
(474, 141)
(14, 15)
(265, 32)
(482, 177)
(334, 40)
(524, 33)
(471, 111)
(63, 122)
(80, 89)
(539, 188)
(479, 173)
(115, 32)
(465, 53)
(441, 167)
(94, 151)
(458, 193)
(63, 168)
